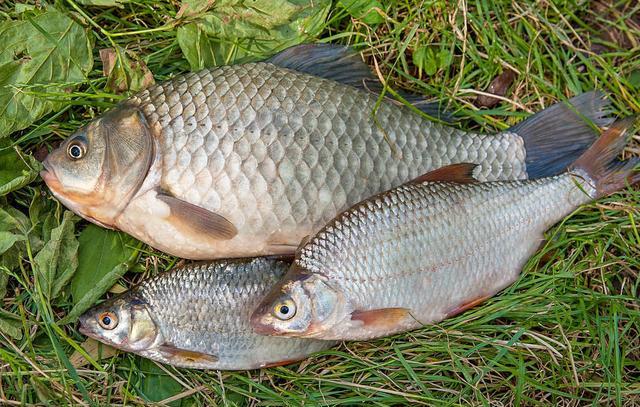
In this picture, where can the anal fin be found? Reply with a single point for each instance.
(198, 219)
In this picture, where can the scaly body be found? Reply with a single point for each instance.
(248, 159)
(426, 250)
(199, 318)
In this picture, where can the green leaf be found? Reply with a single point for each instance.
(363, 10)
(156, 384)
(7, 240)
(39, 55)
(124, 70)
(232, 32)
(10, 324)
(104, 257)
(13, 229)
(58, 259)
(16, 170)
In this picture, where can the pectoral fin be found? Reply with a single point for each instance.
(383, 319)
(200, 220)
(185, 356)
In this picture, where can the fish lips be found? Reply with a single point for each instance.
(85, 328)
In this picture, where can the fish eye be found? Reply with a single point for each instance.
(75, 150)
(285, 310)
(108, 320)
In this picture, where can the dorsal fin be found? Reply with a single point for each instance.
(329, 61)
(342, 64)
(461, 173)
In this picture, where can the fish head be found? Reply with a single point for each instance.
(96, 171)
(302, 305)
(124, 322)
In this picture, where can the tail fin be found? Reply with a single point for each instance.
(555, 137)
(600, 162)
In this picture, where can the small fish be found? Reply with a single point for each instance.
(246, 160)
(431, 248)
(198, 317)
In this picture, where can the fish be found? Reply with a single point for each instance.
(197, 317)
(246, 160)
(432, 248)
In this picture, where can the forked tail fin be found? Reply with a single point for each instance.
(600, 163)
(555, 137)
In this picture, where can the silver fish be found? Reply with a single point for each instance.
(246, 160)
(198, 317)
(431, 248)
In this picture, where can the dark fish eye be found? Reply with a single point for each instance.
(76, 150)
(108, 320)
(285, 310)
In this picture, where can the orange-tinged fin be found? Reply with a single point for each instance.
(382, 319)
(467, 305)
(601, 164)
(280, 363)
(461, 173)
(185, 356)
(200, 220)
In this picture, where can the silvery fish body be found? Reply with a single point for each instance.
(198, 317)
(248, 159)
(429, 249)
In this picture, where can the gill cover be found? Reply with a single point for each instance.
(97, 171)
(129, 149)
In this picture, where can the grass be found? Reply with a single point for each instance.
(567, 333)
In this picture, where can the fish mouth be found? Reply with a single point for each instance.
(50, 178)
(85, 329)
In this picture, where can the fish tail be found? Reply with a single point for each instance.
(601, 165)
(557, 136)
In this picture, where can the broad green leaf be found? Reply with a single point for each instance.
(104, 257)
(13, 229)
(16, 170)
(124, 70)
(40, 54)
(233, 32)
(155, 384)
(58, 259)
(363, 10)
(7, 240)
(10, 324)
(194, 7)
(11, 232)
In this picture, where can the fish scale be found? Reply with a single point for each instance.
(247, 160)
(430, 247)
(206, 308)
(300, 163)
